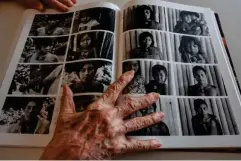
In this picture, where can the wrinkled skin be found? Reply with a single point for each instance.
(99, 131)
(61, 5)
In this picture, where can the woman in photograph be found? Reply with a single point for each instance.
(202, 88)
(190, 49)
(146, 49)
(137, 85)
(145, 18)
(203, 122)
(83, 78)
(86, 47)
(159, 73)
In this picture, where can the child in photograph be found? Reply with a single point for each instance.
(203, 122)
(86, 47)
(87, 20)
(146, 48)
(83, 78)
(137, 85)
(190, 49)
(159, 73)
(145, 18)
(202, 88)
(190, 23)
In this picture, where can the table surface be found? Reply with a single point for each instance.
(228, 10)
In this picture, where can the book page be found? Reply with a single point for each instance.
(176, 51)
(75, 48)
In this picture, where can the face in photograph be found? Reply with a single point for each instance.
(159, 74)
(88, 77)
(190, 49)
(146, 48)
(44, 50)
(202, 88)
(137, 85)
(191, 23)
(145, 18)
(203, 122)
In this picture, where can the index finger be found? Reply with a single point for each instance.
(114, 90)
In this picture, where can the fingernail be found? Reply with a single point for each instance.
(67, 91)
(159, 115)
(156, 143)
(39, 6)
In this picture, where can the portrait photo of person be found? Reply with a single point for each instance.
(202, 88)
(44, 50)
(88, 76)
(189, 49)
(167, 127)
(83, 101)
(186, 22)
(141, 44)
(159, 73)
(36, 79)
(199, 80)
(91, 45)
(150, 76)
(51, 24)
(27, 115)
(137, 85)
(144, 17)
(207, 116)
(203, 122)
(98, 18)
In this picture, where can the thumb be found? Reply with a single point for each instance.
(67, 105)
(35, 4)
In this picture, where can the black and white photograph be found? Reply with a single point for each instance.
(189, 49)
(144, 17)
(51, 24)
(144, 44)
(187, 22)
(83, 101)
(199, 80)
(27, 115)
(201, 117)
(167, 127)
(91, 45)
(88, 76)
(99, 18)
(36, 80)
(150, 76)
(44, 50)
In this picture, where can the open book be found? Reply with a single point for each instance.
(176, 50)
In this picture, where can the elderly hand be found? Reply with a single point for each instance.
(61, 5)
(99, 131)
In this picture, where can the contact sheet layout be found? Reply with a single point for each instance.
(172, 49)
(75, 48)
(172, 53)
